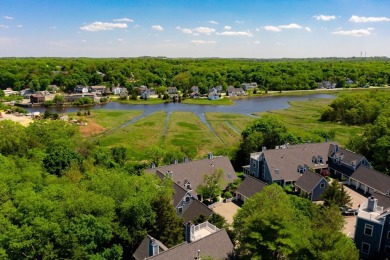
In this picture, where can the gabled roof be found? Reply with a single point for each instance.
(346, 156)
(372, 178)
(308, 181)
(194, 171)
(250, 186)
(179, 194)
(216, 246)
(383, 200)
(142, 252)
(194, 210)
(283, 163)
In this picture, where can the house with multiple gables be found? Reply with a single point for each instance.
(204, 241)
(248, 86)
(81, 89)
(190, 174)
(372, 229)
(99, 90)
(249, 187)
(285, 164)
(342, 162)
(234, 92)
(370, 181)
(119, 90)
(172, 90)
(312, 185)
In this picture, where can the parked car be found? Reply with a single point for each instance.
(347, 211)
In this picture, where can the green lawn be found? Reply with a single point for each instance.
(139, 136)
(205, 101)
(150, 101)
(303, 117)
(188, 134)
(113, 118)
(228, 126)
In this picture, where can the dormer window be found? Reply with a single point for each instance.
(180, 209)
(188, 186)
(188, 199)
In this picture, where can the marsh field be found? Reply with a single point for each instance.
(187, 133)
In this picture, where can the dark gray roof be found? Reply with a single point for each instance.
(179, 194)
(216, 246)
(372, 178)
(383, 200)
(287, 160)
(250, 186)
(308, 181)
(347, 156)
(194, 171)
(142, 251)
(194, 210)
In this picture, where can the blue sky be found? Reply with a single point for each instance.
(194, 28)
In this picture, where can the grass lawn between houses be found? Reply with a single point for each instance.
(204, 101)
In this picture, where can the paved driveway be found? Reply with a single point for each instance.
(350, 221)
(227, 210)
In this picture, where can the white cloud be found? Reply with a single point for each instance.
(227, 28)
(290, 26)
(237, 21)
(356, 33)
(2, 26)
(184, 30)
(272, 28)
(204, 30)
(100, 26)
(322, 17)
(307, 29)
(19, 26)
(280, 27)
(202, 42)
(232, 33)
(213, 22)
(8, 17)
(157, 28)
(124, 20)
(362, 19)
(257, 29)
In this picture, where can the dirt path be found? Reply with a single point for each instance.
(23, 120)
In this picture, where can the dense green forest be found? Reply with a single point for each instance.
(371, 109)
(38, 73)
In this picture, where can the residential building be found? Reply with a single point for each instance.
(119, 90)
(202, 241)
(249, 187)
(37, 98)
(81, 89)
(372, 229)
(26, 93)
(195, 89)
(172, 90)
(234, 92)
(75, 97)
(369, 181)
(326, 84)
(246, 86)
(53, 89)
(285, 164)
(312, 185)
(8, 92)
(342, 162)
(190, 174)
(98, 89)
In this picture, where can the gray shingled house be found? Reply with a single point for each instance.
(202, 241)
(370, 180)
(249, 187)
(312, 184)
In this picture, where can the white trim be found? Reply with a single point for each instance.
(365, 227)
(369, 248)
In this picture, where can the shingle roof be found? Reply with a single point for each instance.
(372, 178)
(194, 171)
(179, 194)
(383, 200)
(216, 246)
(347, 156)
(250, 186)
(194, 210)
(142, 252)
(308, 181)
(287, 160)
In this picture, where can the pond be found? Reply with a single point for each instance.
(245, 106)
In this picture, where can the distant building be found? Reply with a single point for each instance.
(37, 98)
(81, 89)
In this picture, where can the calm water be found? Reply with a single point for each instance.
(245, 106)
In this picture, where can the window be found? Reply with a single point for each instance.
(188, 199)
(388, 234)
(365, 248)
(387, 250)
(322, 185)
(253, 173)
(254, 163)
(180, 210)
(368, 230)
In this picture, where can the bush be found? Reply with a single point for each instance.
(227, 195)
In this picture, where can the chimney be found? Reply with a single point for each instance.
(185, 159)
(153, 247)
(169, 174)
(210, 156)
(189, 227)
(277, 171)
(263, 148)
(372, 203)
(335, 148)
(198, 256)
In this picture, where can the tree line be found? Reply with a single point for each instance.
(38, 73)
